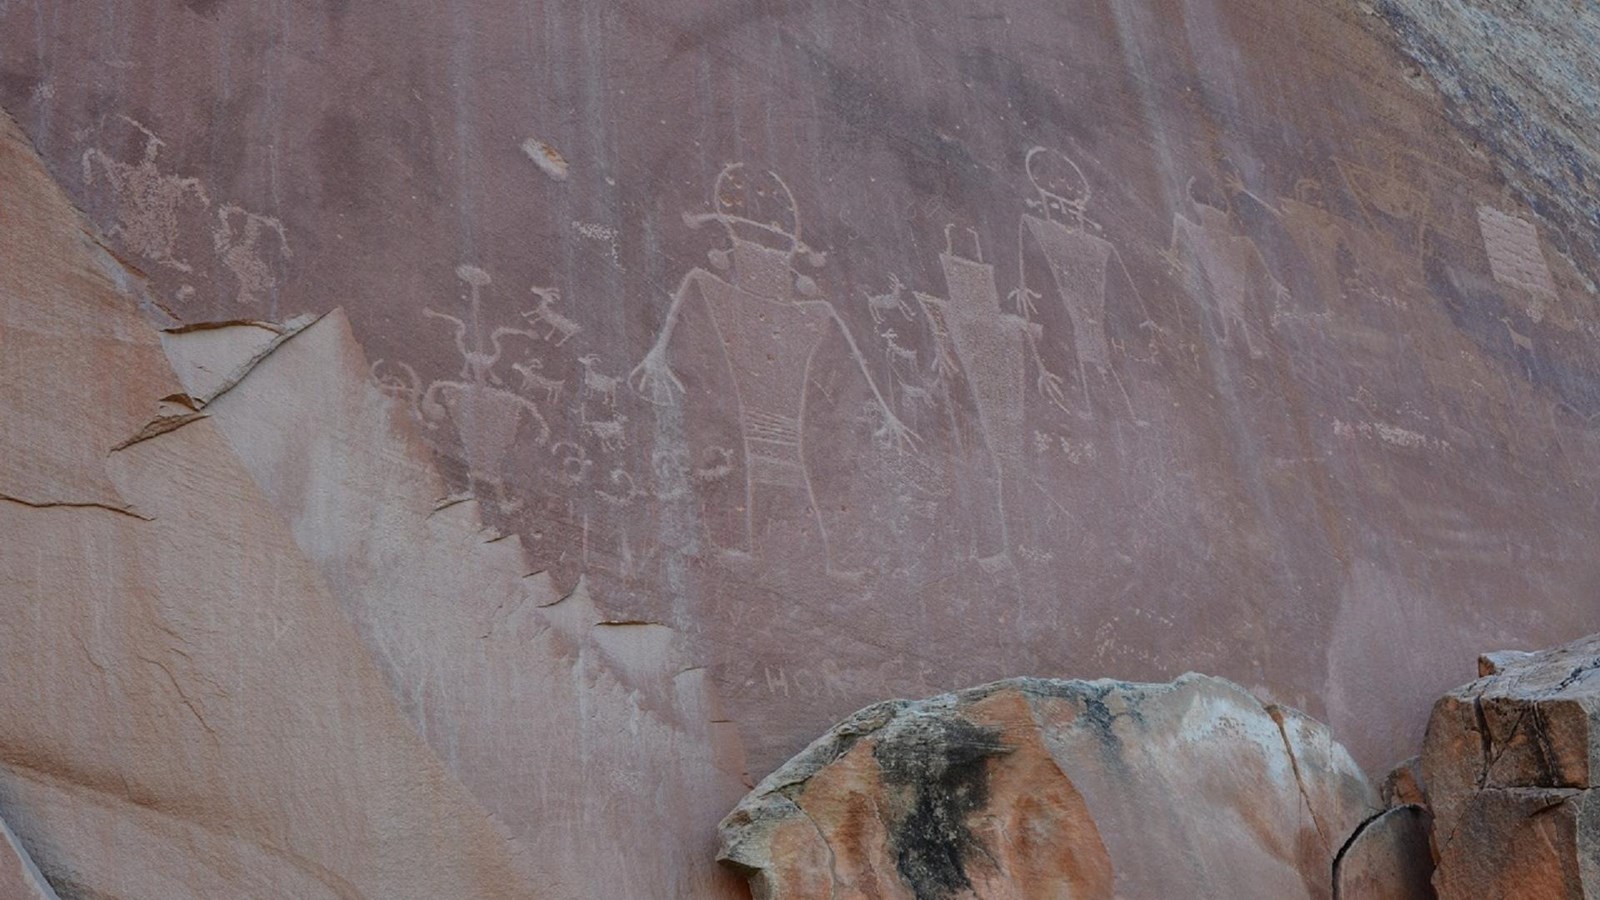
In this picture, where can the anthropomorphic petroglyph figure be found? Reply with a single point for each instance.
(487, 414)
(1222, 268)
(770, 319)
(147, 200)
(992, 347)
(238, 243)
(1080, 263)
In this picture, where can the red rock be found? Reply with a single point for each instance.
(1508, 768)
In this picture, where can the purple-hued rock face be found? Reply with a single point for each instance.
(821, 353)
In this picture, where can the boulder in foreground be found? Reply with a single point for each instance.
(1042, 788)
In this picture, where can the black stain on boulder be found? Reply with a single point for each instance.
(943, 763)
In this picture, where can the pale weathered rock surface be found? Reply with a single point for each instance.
(187, 713)
(1036, 788)
(20, 879)
(1509, 769)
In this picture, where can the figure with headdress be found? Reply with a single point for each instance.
(770, 318)
(1084, 267)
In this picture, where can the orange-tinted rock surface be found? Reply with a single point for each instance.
(1508, 768)
(1034, 788)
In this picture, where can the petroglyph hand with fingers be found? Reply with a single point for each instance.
(652, 378)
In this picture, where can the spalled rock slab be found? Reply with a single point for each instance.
(187, 712)
(1040, 788)
(1389, 858)
(1509, 766)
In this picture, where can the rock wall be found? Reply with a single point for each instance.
(513, 428)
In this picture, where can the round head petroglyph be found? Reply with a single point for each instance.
(1063, 190)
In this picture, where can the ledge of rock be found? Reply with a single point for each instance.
(1043, 788)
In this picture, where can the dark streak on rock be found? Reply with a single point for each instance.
(945, 764)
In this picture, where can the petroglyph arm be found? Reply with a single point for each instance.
(652, 377)
(902, 435)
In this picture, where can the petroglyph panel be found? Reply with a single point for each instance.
(871, 350)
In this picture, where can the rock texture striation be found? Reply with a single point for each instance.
(1510, 772)
(1036, 788)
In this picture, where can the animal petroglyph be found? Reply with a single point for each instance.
(238, 242)
(597, 384)
(533, 378)
(546, 316)
(147, 199)
(770, 319)
(880, 305)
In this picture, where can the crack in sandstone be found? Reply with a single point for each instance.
(71, 504)
(1276, 714)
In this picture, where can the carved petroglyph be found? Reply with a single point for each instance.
(880, 305)
(546, 316)
(1384, 189)
(534, 379)
(974, 335)
(597, 384)
(238, 242)
(601, 234)
(147, 199)
(1079, 262)
(612, 434)
(487, 413)
(770, 319)
(1222, 269)
(252, 247)
(1516, 259)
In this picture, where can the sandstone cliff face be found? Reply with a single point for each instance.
(456, 444)
(1034, 788)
